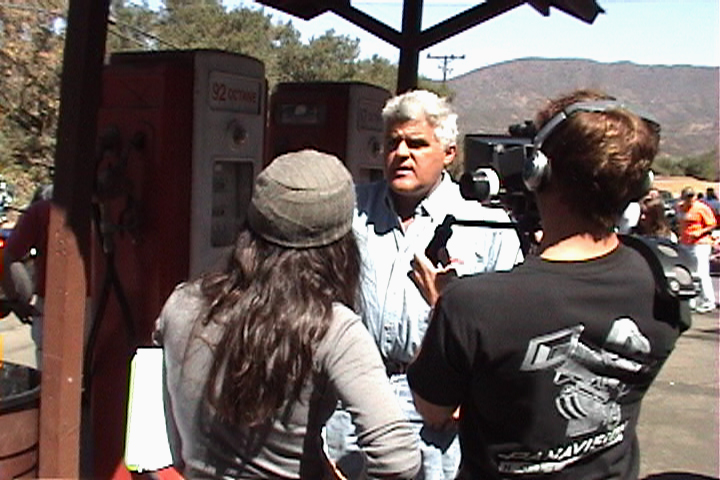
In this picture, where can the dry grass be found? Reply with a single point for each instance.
(676, 184)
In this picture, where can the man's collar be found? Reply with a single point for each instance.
(433, 205)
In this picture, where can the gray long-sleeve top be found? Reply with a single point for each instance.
(347, 367)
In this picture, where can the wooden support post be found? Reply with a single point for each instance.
(69, 239)
(410, 50)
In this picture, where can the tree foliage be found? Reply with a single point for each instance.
(378, 71)
(131, 27)
(325, 58)
(31, 62)
(703, 167)
(206, 24)
(32, 41)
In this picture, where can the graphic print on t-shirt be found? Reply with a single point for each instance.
(588, 389)
(587, 397)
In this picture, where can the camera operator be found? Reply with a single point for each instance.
(548, 363)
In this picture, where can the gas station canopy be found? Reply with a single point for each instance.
(411, 40)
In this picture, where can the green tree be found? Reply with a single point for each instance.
(378, 71)
(439, 88)
(188, 24)
(668, 166)
(705, 166)
(133, 27)
(329, 57)
(32, 41)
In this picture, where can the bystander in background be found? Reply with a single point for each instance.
(696, 222)
(711, 200)
(653, 221)
(24, 289)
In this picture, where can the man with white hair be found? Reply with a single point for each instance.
(396, 219)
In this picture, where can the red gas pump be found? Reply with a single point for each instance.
(181, 138)
(342, 118)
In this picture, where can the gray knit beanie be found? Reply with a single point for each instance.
(302, 199)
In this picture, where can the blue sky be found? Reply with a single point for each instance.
(651, 32)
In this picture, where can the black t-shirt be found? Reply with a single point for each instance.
(549, 363)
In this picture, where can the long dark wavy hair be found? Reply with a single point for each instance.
(274, 305)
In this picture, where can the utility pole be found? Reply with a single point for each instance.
(446, 59)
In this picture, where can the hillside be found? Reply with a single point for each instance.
(684, 99)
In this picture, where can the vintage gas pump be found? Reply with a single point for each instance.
(342, 118)
(181, 137)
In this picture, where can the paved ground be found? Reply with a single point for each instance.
(679, 434)
(678, 427)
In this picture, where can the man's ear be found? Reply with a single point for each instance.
(450, 153)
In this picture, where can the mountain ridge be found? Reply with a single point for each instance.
(685, 99)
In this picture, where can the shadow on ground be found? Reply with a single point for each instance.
(678, 476)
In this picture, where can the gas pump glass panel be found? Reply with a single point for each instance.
(301, 114)
(373, 174)
(231, 193)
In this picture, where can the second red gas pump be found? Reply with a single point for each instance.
(342, 118)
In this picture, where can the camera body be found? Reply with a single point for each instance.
(496, 171)
(504, 155)
(493, 173)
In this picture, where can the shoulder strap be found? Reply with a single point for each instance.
(675, 272)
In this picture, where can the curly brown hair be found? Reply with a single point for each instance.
(599, 159)
(274, 305)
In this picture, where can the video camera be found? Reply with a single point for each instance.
(493, 174)
(501, 156)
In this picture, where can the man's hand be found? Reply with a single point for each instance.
(437, 416)
(430, 279)
(702, 232)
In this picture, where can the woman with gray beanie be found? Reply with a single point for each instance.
(258, 354)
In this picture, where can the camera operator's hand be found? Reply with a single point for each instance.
(430, 279)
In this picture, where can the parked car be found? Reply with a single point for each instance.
(4, 235)
(715, 254)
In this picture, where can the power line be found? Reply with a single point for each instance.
(111, 20)
(113, 31)
(446, 59)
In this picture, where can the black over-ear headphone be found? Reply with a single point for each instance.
(536, 168)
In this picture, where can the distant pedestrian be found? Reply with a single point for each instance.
(696, 222)
(26, 291)
(653, 221)
(711, 200)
